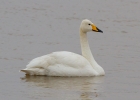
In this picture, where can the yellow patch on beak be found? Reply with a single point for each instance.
(94, 28)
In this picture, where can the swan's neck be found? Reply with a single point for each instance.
(86, 52)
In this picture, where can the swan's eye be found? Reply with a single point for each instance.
(88, 24)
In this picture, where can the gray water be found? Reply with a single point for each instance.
(32, 28)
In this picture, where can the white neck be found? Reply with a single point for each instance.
(86, 52)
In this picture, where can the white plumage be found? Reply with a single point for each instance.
(66, 63)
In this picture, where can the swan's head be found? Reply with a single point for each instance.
(87, 25)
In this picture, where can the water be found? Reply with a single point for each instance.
(29, 29)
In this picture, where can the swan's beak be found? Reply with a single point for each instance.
(94, 28)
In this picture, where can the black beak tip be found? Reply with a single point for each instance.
(99, 30)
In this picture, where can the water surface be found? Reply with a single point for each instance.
(29, 29)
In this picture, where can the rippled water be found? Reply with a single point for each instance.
(29, 29)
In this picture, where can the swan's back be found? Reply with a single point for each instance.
(60, 64)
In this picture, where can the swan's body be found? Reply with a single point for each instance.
(65, 63)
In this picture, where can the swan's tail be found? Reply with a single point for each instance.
(35, 71)
(27, 71)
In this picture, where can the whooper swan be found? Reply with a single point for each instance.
(66, 63)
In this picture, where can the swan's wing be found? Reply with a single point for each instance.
(59, 63)
(66, 58)
(70, 59)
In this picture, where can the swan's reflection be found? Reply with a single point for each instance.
(87, 86)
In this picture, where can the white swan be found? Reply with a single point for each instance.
(66, 63)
